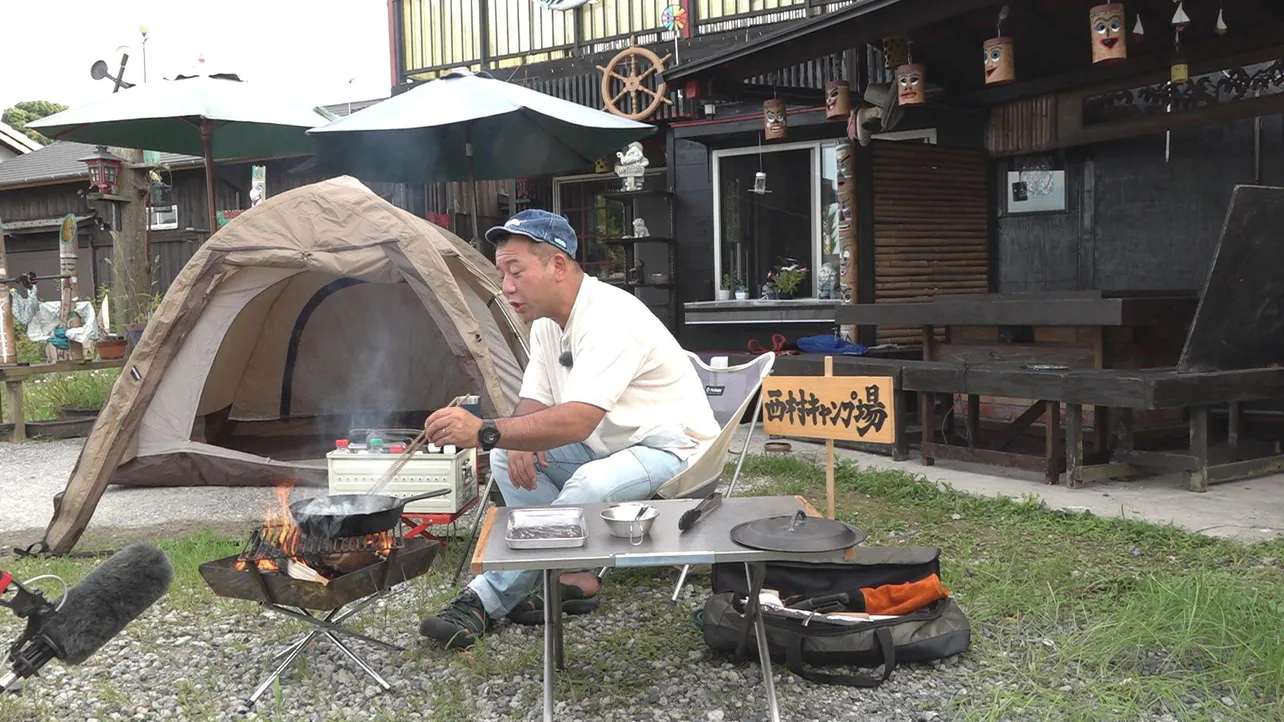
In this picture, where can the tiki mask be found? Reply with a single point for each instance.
(895, 52)
(911, 84)
(1000, 61)
(1109, 41)
(837, 100)
(773, 114)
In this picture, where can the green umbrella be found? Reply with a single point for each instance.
(217, 117)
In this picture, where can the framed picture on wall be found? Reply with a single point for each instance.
(1035, 185)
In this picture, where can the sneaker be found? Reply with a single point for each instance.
(460, 623)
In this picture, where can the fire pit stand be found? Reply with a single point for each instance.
(340, 598)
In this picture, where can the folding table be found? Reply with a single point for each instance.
(708, 542)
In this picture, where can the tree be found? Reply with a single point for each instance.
(25, 112)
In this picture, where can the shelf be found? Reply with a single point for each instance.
(627, 241)
(630, 195)
(624, 284)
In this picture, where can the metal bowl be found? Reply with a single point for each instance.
(622, 520)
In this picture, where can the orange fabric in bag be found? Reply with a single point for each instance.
(904, 598)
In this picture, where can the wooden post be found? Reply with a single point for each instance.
(8, 343)
(129, 278)
(67, 249)
(13, 390)
(829, 454)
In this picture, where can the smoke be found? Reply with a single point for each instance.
(370, 351)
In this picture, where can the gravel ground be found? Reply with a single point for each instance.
(174, 664)
(31, 473)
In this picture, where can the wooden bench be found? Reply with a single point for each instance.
(1120, 390)
(13, 376)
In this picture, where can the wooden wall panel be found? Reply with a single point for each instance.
(1022, 126)
(931, 226)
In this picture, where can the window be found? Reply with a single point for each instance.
(756, 232)
(795, 220)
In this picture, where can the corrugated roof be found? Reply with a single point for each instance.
(60, 161)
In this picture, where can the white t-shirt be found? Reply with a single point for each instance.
(625, 362)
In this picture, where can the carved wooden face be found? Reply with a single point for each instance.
(1000, 61)
(837, 100)
(911, 84)
(1109, 39)
(773, 116)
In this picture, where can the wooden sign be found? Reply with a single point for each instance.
(847, 408)
(842, 408)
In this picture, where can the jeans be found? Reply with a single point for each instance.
(573, 476)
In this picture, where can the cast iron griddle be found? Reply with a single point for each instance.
(796, 532)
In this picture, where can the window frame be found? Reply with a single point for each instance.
(817, 156)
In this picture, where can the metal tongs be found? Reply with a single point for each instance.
(701, 510)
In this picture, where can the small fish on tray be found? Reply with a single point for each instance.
(545, 528)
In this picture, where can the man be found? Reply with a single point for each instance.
(611, 408)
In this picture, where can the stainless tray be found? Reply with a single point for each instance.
(546, 528)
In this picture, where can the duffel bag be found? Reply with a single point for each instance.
(934, 631)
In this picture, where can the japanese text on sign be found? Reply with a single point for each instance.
(852, 408)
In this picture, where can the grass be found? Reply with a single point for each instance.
(1075, 617)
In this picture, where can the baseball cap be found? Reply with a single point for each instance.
(538, 225)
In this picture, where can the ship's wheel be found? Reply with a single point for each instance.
(628, 75)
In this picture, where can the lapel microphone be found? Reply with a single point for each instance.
(566, 360)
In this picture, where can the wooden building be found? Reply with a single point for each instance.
(1105, 188)
(38, 188)
(1046, 192)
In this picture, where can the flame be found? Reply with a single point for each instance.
(280, 531)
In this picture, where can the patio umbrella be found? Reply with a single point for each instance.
(468, 126)
(217, 117)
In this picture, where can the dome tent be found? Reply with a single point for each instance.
(321, 309)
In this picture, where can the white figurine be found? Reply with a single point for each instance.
(639, 228)
(632, 166)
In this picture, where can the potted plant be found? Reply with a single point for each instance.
(724, 291)
(742, 291)
(788, 278)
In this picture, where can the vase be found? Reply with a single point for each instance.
(724, 294)
(742, 295)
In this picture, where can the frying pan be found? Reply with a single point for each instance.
(345, 515)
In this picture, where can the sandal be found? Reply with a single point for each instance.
(530, 611)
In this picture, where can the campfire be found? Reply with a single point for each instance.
(319, 580)
(279, 546)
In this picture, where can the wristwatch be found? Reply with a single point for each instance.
(488, 435)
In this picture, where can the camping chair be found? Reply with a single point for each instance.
(730, 391)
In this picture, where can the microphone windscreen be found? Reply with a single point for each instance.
(108, 598)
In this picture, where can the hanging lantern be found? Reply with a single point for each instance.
(1000, 61)
(773, 115)
(838, 104)
(1138, 32)
(911, 84)
(1109, 43)
(104, 170)
(759, 182)
(1180, 72)
(1221, 22)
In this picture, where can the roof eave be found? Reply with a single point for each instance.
(878, 19)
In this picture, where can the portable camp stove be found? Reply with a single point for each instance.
(358, 462)
(323, 582)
